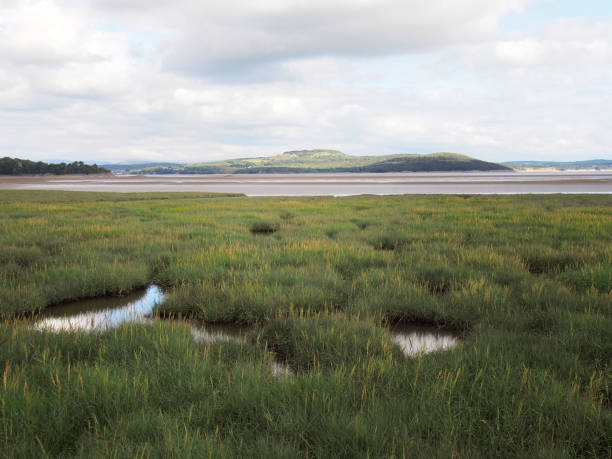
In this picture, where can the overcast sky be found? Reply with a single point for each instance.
(194, 80)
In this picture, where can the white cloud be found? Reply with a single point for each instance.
(42, 33)
(567, 52)
(298, 74)
(240, 37)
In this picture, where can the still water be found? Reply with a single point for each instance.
(100, 314)
(414, 340)
(104, 313)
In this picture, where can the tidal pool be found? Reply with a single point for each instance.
(217, 332)
(422, 339)
(101, 314)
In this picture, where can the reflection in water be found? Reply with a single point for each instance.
(105, 313)
(102, 313)
(416, 340)
(281, 369)
(209, 333)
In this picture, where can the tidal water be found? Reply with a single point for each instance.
(330, 184)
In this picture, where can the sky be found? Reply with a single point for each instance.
(192, 80)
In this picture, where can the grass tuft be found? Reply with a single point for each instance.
(264, 227)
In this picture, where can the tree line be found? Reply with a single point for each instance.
(16, 166)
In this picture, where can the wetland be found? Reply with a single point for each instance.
(101, 314)
(234, 326)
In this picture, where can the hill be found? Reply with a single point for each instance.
(317, 161)
(129, 166)
(16, 166)
(596, 164)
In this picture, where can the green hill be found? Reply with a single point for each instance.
(302, 161)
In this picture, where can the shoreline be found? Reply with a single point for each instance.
(339, 184)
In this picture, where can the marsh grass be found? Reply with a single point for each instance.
(328, 342)
(525, 280)
(264, 227)
(390, 241)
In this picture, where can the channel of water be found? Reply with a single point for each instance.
(101, 314)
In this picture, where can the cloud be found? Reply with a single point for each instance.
(242, 36)
(566, 52)
(193, 81)
(43, 34)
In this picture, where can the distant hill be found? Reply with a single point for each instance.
(603, 164)
(128, 166)
(16, 166)
(303, 161)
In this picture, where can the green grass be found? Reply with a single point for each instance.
(525, 280)
(264, 227)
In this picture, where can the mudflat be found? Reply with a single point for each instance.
(328, 184)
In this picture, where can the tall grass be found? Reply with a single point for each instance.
(525, 280)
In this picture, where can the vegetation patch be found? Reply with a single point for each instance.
(264, 227)
(548, 261)
(361, 224)
(406, 318)
(439, 280)
(328, 342)
(390, 241)
(597, 277)
(334, 231)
